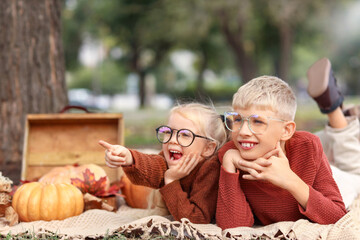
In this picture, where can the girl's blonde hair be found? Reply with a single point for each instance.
(267, 92)
(210, 123)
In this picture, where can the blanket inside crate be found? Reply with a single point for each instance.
(145, 223)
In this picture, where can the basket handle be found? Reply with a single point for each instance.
(68, 107)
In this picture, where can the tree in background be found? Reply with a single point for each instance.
(199, 32)
(74, 25)
(32, 71)
(144, 30)
(254, 37)
(342, 29)
(261, 30)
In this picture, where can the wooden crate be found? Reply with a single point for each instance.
(53, 140)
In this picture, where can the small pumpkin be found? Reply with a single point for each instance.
(47, 201)
(64, 174)
(136, 196)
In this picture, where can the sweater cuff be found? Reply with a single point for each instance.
(131, 168)
(168, 191)
(229, 174)
(312, 203)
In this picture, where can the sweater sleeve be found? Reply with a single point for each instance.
(325, 204)
(232, 209)
(200, 204)
(147, 170)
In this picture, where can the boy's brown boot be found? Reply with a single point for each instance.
(322, 86)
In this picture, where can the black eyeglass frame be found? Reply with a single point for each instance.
(177, 135)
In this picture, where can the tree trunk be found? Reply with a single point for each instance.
(142, 90)
(32, 70)
(245, 64)
(285, 33)
(200, 79)
(139, 71)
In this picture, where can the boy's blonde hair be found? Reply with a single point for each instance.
(206, 118)
(267, 92)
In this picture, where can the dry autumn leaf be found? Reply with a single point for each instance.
(90, 184)
(11, 216)
(96, 187)
(92, 202)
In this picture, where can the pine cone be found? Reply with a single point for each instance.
(5, 198)
(5, 184)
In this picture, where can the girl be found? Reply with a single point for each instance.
(187, 169)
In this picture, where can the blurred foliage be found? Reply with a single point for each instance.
(217, 93)
(141, 125)
(244, 37)
(228, 42)
(110, 76)
(74, 22)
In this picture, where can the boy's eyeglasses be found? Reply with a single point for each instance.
(184, 137)
(256, 123)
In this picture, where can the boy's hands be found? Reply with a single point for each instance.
(116, 155)
(232, 160)
(274, 167)
(182, 169)
(277, 172)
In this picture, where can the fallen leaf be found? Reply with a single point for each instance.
(11, 216)
(93, 202)
(90, 184)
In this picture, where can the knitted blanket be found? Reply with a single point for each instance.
(146, 223)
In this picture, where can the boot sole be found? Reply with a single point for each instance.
(318, 77)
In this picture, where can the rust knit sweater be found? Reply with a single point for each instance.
(241, 201)
(193, 197)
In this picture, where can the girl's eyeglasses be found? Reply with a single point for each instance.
(184, 137)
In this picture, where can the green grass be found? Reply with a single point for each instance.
(54, 236)
(140, 127)
(309, 117)
(32, 236)
(112, 237)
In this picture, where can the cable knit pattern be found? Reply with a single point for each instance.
(193, 197)
(241, 202)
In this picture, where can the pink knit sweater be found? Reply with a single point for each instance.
(243, 202)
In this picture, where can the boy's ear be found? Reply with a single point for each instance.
(209, 149)
(288, 131)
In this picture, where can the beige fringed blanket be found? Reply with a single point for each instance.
(144, 224)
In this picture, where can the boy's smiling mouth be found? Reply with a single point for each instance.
(247, 145)
(175, 155)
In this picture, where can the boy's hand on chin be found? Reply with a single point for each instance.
(231, 160)
(182, 169)
(277, 171)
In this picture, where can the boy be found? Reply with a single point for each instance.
(270, 172)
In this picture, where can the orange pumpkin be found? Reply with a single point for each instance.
(136, 196)
(64, 174)
(41, 201)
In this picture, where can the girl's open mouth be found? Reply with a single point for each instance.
(175, 155)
